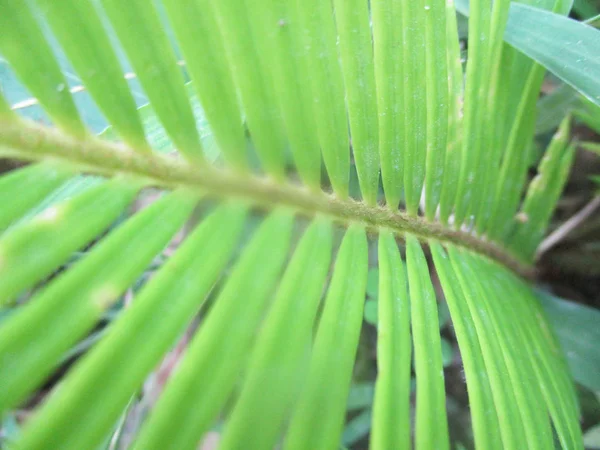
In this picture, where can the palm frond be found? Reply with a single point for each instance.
(301, 98)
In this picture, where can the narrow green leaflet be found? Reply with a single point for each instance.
(543, 193)
(511, 428)
(94, 395)
(455, 115)
(23, 44)
(570, 49)
(512, 176)
(318, 38)
(278, 35)
(388, 61)
(436, 50)
(31, 252)
(483, 412)
(22, 189)
(391, 409)
(267, 395)
(318, 419)
(194, 22)
(91, 54)
(216, 353)
(414, 82)
(154, 62)
(548, 362)
(431, 396)
(513, 351)
(71, 305)
(356, 52)
(468, 187)
(249, 70)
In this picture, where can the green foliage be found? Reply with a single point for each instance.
(270, 279)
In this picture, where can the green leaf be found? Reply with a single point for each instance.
(356, 55)
(486, 427)
(576, 327)
(513, 355)
(455, 115)
(318, 39)
(386, 16)
(92, 56)
(319, 415)
(256, 419)
(431, 398)
(437, 107)
(391, 411)
(249, 70)
(195, 22)
(23, 44)
(543, 193)
(415, 97)
(570, 49)
(189, 406)
(21, 189)
(31, 252)
(71, 305)
(548, 363)
(156, 67)
(94, 396)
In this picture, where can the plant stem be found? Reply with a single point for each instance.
(26, 140)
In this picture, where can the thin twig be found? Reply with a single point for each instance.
(561, 232)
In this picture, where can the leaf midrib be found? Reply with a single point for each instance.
(26, 140)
